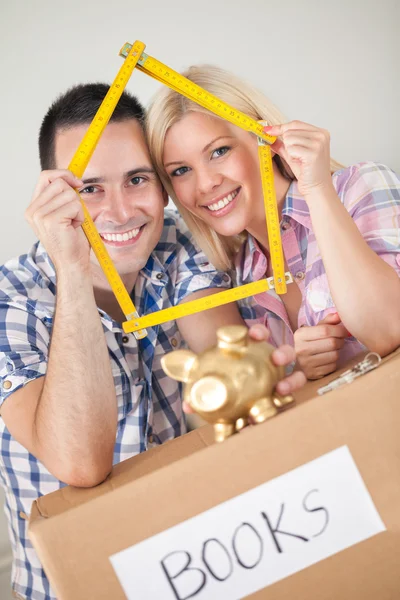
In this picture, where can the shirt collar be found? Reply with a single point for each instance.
(295, 207)
(251, 262)
(159, 260)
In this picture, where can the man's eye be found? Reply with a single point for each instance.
(220, 151)
(136, 180)
(179, 171)
(89, 189)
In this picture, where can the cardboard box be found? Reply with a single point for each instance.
(75, 531)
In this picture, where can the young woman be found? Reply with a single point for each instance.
(339, 226)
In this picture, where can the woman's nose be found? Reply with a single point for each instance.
(208, 180)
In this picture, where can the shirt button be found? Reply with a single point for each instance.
(174, 342)
(125, 339)
(300, 275)
(151, 438)
(285, 225)
(159, 275)
(225, 277)
(7, 385)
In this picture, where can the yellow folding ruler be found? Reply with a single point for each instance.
(195, 93)
(78, 165)
(135, 57)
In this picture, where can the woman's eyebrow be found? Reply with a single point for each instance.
(206, 147)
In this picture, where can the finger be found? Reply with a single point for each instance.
(301, 140)
(324, 358)
(66, 213)
(314, 347)
(322, 371)
(56, 204)
(283, 355)
(259, 332)
(48, 177)
(187, 409)
(320, 332)
(290, 384)
(334, 319)
(298, 152)
(56, 187)
(331, 319)
(281, 128)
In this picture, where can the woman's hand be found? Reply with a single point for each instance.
(306, 150)
(317, 347)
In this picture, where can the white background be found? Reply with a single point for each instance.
(331, 63)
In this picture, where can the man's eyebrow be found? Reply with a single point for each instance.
(139, 170)
(93, 180)
(206, 147)
(126, 175)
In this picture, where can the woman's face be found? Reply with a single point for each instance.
(214, 170)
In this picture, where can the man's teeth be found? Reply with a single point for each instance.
(223, 202)
(120, 237)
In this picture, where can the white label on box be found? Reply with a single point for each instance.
(255, 539)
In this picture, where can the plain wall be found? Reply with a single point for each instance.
(334, 64)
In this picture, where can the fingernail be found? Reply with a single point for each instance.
(268, 127)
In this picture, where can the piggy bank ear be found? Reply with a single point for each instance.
(178, 364)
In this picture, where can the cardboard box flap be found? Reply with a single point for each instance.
(125, 472)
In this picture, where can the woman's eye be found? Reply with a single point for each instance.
(180, 171)
(220, 151)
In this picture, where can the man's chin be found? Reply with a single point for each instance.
(123, 267)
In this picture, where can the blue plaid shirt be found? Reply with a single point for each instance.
(149, 403)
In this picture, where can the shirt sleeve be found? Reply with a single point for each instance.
(194, 271)
(371, 194)
(24, 342)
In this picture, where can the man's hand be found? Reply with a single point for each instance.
(282, 356)
(317, 348)
(55, 214)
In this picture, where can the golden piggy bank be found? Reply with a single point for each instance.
(230, 384)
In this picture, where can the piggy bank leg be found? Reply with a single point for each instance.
(241, 423)
(223, 430)
(262, 410)
(282, 401)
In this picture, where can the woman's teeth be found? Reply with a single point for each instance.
(120, 237)
(223, 202)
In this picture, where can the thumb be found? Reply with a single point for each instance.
(331, 319)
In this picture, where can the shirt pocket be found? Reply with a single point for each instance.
(318, 295)
(169, 338)
(128, 392)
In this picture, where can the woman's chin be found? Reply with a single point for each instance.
(227, 229)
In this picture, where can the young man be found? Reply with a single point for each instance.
(77, 394)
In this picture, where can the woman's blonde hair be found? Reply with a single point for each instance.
(168, 107)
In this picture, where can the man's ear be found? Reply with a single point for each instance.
(165, 197)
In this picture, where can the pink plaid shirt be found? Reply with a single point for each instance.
(371, 194)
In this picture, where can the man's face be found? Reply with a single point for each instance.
(122, 192)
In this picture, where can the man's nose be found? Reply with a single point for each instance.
(119, 208)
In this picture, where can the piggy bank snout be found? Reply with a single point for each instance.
(210, 393)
